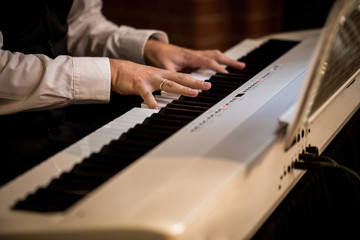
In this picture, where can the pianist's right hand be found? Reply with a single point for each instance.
(128, 78)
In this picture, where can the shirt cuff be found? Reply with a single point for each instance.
(92, 80)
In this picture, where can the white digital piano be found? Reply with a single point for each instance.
(210, 167)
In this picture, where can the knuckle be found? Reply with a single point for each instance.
(137, 81)
(199, 83)
(210, 61)
(169, 84)
(181, 76)
(136, 84)
(188, 56)
(217, 53)
(146, 94)
(187, 77)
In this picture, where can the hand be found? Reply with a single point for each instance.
(174, 58)
(131, 78)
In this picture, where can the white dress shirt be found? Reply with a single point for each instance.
(36, 82)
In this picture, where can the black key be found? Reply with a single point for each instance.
(148, 137)
(128, 149)
(113, 162)
(169, 129)
(74, 184)
(217, 95)
(187, 106)
(231, 78)
(158, 120)
(203, 99)
(181, 100)
(150, 131)
(180, 111)
(223, 84)
(46, 200)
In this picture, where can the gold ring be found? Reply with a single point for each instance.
(162, 83)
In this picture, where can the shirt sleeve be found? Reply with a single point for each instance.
(35, 82)
(91, 34)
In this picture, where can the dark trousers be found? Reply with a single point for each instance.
(28, 138)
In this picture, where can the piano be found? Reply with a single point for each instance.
(211, 167)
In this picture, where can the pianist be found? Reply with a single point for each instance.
(60, 53)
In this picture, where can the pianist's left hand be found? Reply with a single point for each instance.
(175, 58)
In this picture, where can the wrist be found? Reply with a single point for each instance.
(150, 50)
(113, 73)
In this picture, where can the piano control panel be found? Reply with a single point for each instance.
(239, 96)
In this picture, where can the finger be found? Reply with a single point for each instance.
(212, 64)
(168, 65)
(188, 81)
(209, 60)
(173, 87)
(149, 99)
(223, 59)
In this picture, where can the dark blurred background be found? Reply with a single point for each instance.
(206, 24)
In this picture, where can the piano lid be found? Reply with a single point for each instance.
(334, 63)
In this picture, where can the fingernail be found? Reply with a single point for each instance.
(206, 84)
(242, 64)
(193, 92)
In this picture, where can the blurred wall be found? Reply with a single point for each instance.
(206, 24)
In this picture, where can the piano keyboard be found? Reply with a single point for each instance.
(62, 192)
(156, 176)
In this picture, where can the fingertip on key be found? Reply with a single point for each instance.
(193, 92)
(206, 85)
(242, 65)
